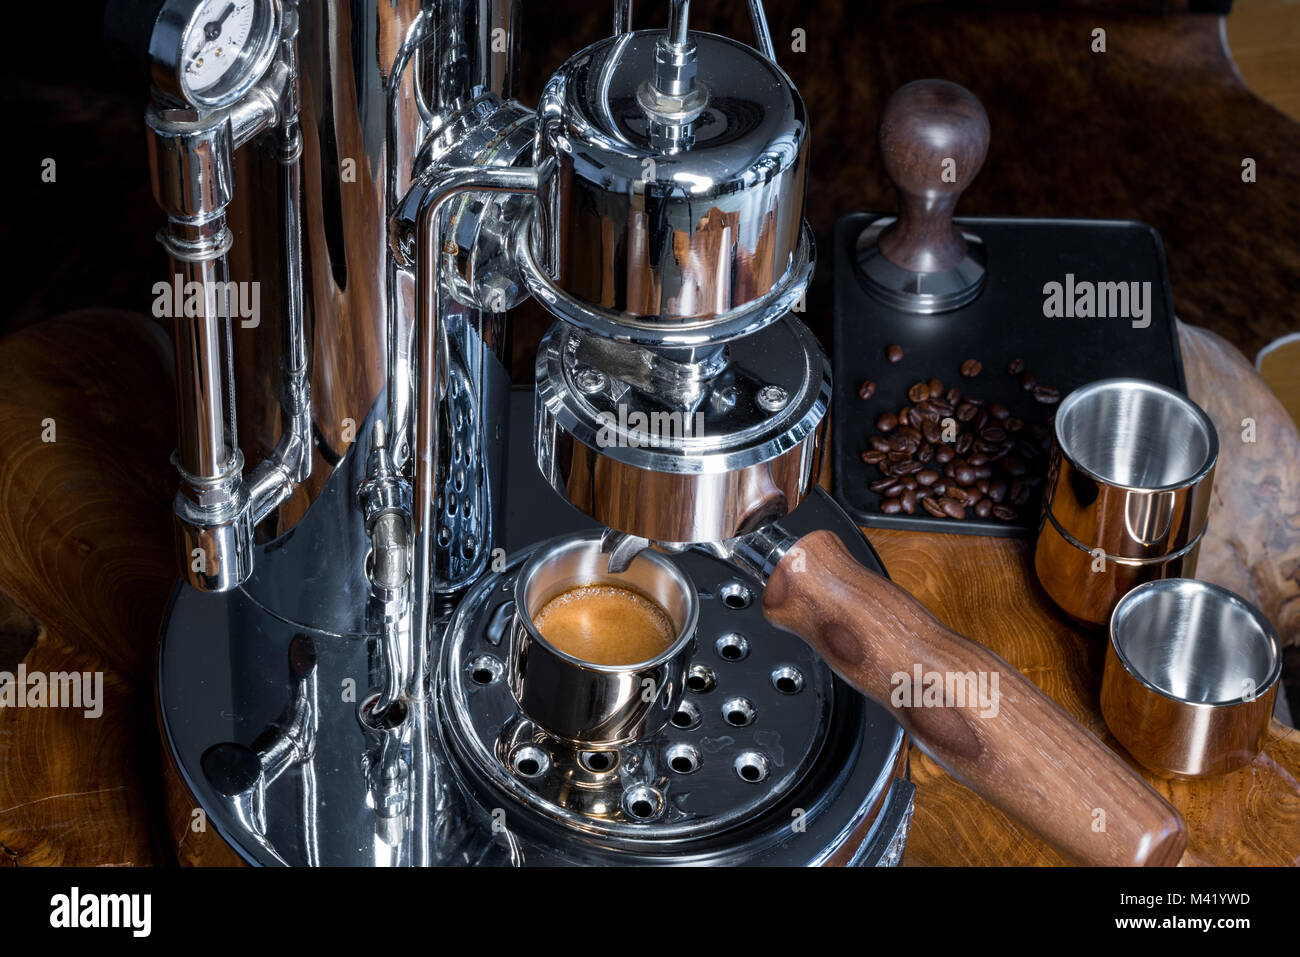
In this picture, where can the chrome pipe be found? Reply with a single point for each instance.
(622, 17)
(204, 394)
(400, 391)
(437, 187)
(289, 463)
(679, 15)
(762, 35)
(191, 161)
(449, 57)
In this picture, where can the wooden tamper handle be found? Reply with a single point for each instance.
(933, 137)
(1025, 755)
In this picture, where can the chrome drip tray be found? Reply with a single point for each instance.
(766, 742)
(757, 712)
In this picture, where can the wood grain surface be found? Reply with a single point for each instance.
(985, 588)
(1006, 741)
(86, 555)
(1252, 543)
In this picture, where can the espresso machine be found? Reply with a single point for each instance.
(349, 671)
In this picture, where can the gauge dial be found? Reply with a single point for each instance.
(218, 34)
(209, 53)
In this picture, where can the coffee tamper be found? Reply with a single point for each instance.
(933, 138)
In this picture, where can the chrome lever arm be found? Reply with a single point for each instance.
(435, 187)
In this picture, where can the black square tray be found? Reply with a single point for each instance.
(1006, 321)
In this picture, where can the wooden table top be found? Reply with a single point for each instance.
(985, 588)
(87, 582)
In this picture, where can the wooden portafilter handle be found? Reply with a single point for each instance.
(933, 138)
(1017, 748)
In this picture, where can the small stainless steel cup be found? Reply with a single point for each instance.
(1191, 676)
(1128, 492)
(592, 704)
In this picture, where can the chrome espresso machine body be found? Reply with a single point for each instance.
(345, 674)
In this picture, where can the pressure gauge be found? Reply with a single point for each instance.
(209, 53)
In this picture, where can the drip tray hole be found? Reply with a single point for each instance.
(700, 679)
(738, 712)
(752, 767)
(732, 647)
(686, 717)
(735, 595)
(787, 679)
(598, 762)
(484, 670)
(643, 803)
(683, 759)
(529, 761)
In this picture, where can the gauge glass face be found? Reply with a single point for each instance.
(219, 33)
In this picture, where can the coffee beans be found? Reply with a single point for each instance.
(953, 509)
(990, 467)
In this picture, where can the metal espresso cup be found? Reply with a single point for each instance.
(1128, 491)
(593, 704)
(1191, 676)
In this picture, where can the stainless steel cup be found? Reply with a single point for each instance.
(1128, 491)
(592, 704)
(1191, 676)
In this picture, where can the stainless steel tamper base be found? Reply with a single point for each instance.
(925, 293)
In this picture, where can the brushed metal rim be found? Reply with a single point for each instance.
(1143, 592)
(927, 294)
(546, 552)
(1085, 392)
